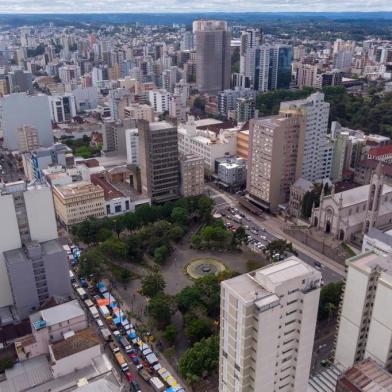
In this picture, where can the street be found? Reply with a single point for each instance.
(330, 273)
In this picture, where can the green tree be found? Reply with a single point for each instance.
(161, 308)
(197, 328)
(179, 216)
(104, 234)
(204, 206)
(153, 284)
(202, 357)
(115, 248)
(278, 247)
(161, 254)
(187, 298)
(135, 248)
(92, 262)
(240, 237)
(170, 334)
(176, 233)
(87, 231)
(329, 300)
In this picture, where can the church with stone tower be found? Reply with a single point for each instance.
(350, 214)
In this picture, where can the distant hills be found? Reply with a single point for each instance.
(187, 18)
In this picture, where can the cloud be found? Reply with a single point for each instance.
(77, 6)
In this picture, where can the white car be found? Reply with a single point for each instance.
(263, 237)
(100, 323)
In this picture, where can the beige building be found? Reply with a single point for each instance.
(138, 111)
(274, 161)
(78, 201)
(27, 138)
(267, 325)
(192, 175)
(243, 144)
(3, 87)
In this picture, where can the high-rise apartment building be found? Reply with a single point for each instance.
(267, 326)
(213, 60)
(26, 215)
(272, 67)
(20, 81)
(365, 325)
(27, 138)
(158, 157)
(274, 162)
(192, 175)
(317, 151)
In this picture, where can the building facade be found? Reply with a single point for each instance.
(365, 327)
(274, 158)
(213, 63)
(78, 201)
(192, 175)
(158, 157)
(267, 326)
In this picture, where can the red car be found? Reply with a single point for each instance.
(130, 377)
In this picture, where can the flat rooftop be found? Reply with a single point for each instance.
(370, 260)
(157, 125)
(77, 189)
(81, 341)
(59, 313)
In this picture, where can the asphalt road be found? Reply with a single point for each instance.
(223, 200)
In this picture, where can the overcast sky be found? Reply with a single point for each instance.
(72, 6)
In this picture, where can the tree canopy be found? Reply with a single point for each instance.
(153, 284)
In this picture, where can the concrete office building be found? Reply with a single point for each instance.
(267, 325)
(132, 145)
(213, 61)
(274, 163)
(158, 157)
(63, 108)
(37, 272)
(138, 111)
(78, 201)
(26, 214)
(192, 175)
(20, 81)
(231, 171)
(317, 153)
(32, 111)
(365, 325)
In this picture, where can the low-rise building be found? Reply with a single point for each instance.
(377, 241)
(206, 143)
(231, 171)
(365, 376)
(137, 111)
(191, 175)
(78, 201)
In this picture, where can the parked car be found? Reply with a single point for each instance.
(135, 386)
(130, 377)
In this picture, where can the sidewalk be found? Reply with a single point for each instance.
(274, 227)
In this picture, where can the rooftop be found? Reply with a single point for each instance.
(158, 125)
(77, 189)
(379, 151)
(109, 190)
(367, 376)
(369, 261)
(81, 341)
(59, 313)
(372, 164)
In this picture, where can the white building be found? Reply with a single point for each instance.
(316, 145)
(63, 108)
(17, 110)
(137, 111)
(132, 145)
(365, 326)
(267, 326)
(69, 73)
(26, 214)
(378, 241)
(205, 143)
(159, 100)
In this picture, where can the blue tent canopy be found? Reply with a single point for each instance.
(117, 320)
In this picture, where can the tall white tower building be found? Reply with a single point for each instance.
(268, 320)
(317, 152)
(365, 325)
